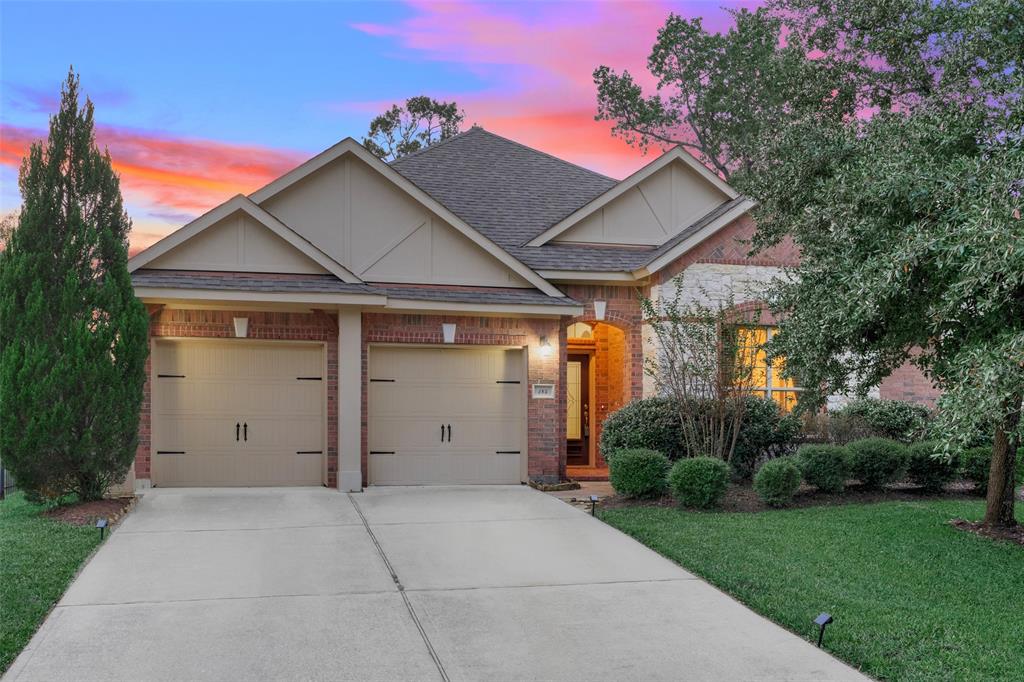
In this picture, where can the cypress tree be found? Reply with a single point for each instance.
(73, 337)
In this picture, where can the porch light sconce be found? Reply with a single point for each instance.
(545, 346)
(241, 327)
(600, 307)
(448, 331)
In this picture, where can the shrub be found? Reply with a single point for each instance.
(974, 466)
(926, 470)
(826, 467)
(871, 417)
(764, 433)
(699, 482)
(638, 472)
(651, 423)
(777, 481)
(877, 461)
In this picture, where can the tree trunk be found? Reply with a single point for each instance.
(1002, 472)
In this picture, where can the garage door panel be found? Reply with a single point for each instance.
(419, 389)
(210, 386)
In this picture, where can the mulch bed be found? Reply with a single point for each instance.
(87, 513)
(742, 498)
(1015, 534)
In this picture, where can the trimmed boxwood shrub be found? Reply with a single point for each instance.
(974, 466)
(699, 482)
(777, 481)
(893, 419)
(638, 472)
(764, 433)
(930, 472)
(826, 467)
(877, 461)
(651, 423)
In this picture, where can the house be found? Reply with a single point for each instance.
(466, 314)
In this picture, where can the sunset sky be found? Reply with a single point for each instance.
(200, 101)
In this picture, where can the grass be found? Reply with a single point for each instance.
(913, 598)
(39, 558)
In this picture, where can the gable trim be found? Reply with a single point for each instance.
(602, 200)
(242, 203)
(350, 146)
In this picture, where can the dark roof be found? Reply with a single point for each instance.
(505, 190)
(247, 281)
(474, 295)
(329, 284)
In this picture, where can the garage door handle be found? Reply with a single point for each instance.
(237, 426)
(442, 433)
(245, 432)
(449, 433)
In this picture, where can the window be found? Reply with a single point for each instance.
(766, 378)
(581, 330)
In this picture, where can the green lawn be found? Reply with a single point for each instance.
(38, 558)
(913, 598)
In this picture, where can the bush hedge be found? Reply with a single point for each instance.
(638, 472)
(876, 461)
(871, 417)
(764, 433)
(650, 423)
(928, 471)
(699, 481)
(826, 467)
(777, 481)
(974, 466)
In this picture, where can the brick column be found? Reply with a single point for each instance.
(350, 400)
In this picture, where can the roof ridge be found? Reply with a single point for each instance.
(550, 156)
(437, 144)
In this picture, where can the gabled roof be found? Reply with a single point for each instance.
(350, 146)
(505, 190)
(598, 202)
(254, 211)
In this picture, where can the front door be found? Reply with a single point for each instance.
(577, 418)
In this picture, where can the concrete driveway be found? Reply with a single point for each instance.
(460, 583)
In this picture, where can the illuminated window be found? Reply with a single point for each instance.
(581, 330)
(766, 379)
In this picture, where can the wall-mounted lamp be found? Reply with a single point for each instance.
(545, 346)
(600, 307)
(241, 327)
(448, 332)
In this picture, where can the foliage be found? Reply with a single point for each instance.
(699, 482)
(40, 557)
(876, 461)
(919, 600)
(702, 365)
(651, 423)
(777, 481)
(73, 342)
(421, 122)
(929, 466)
(638, 472)
(716, 93)
(909, 216)
(974, 466)
(826, 467)
(894, 419)
(764, 433)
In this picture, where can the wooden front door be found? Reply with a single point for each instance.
(577, 418)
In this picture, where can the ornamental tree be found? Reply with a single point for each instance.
(421, 122)
(908, 217)
(73, 336)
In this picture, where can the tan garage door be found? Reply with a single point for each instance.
(446, 415)
(237, 413)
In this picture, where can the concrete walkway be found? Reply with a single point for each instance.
(460, 583)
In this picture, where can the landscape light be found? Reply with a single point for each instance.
(102, 525)
(821, 621)
(593, 504)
